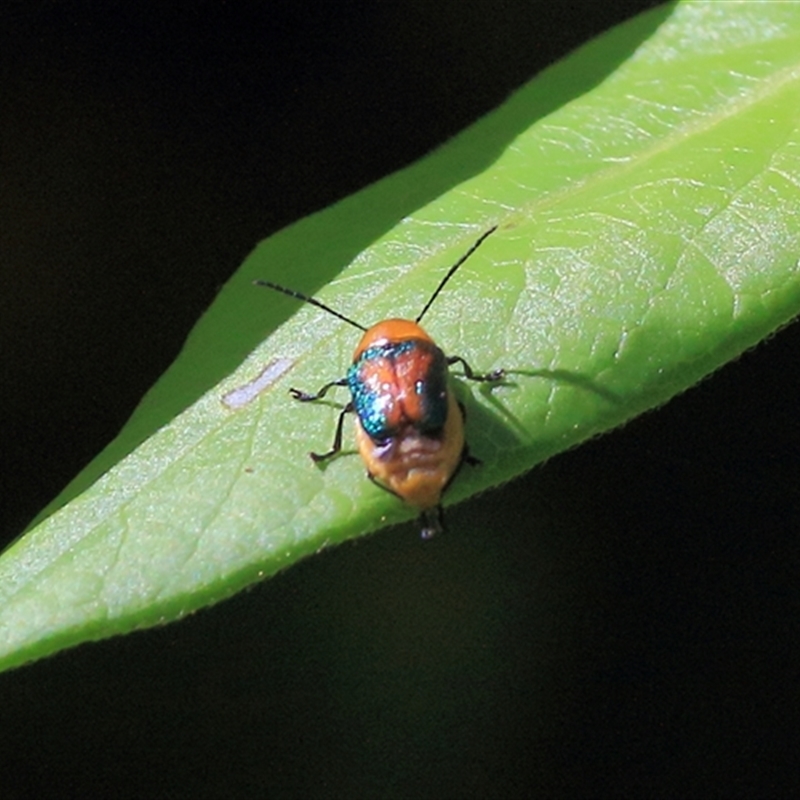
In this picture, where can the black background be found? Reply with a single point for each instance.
(641, 641)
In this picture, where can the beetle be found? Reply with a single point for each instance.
(409, 426)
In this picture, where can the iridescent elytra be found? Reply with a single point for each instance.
(409, 426)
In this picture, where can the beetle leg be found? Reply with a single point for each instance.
(382, 486)
(496, 375)
(431, 522)
(465, 454)
(304, 397)
(337, 439)
(468, 458)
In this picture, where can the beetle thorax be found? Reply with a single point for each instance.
(391, 330)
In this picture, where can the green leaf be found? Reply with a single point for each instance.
(646, 191)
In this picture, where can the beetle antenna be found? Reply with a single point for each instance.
(312, 300)
(453, 269)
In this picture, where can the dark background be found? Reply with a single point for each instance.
(621, 622)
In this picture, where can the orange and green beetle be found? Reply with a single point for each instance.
(409, 426)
